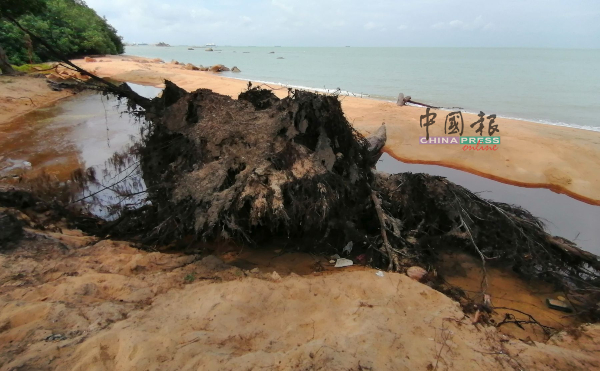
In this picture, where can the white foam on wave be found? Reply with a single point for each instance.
(360, 95)
(308, 88)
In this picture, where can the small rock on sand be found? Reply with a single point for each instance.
(416, 273)
(275, 276)
(218, 68)
(90, 59)
(341, 263)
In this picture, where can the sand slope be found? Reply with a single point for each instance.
(71, 303)
(22, 94)
(563, 159)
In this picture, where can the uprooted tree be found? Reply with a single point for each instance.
(261, 168)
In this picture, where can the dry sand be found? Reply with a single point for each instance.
(563, 159)
(72, 303)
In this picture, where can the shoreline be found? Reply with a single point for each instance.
(346, 93)
(534, 155)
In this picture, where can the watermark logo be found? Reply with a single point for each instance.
(459, 140)
(454, 124)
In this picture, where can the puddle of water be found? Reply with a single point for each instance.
(84, 130)
(563, 215)
(80, 132)
(507, 290)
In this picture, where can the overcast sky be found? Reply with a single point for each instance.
(470, 23)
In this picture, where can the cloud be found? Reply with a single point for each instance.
(369, 26)
(349, 22)
(477, 24)
(283, 5)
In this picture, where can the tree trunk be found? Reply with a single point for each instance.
(5, 66)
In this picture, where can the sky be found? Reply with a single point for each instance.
(417, 23)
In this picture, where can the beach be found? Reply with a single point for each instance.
(531, 154)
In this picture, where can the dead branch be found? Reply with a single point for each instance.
(393, 265)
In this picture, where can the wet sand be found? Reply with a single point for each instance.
(22, 94)
(562, 159)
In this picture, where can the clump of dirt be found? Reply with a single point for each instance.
(11, 229)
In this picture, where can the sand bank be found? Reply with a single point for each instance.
(22, 94)
(563, 159)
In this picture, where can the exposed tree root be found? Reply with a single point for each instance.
(259, 168)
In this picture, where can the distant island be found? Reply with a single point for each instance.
(162, 44)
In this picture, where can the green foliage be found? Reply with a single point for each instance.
(34, 68)
(16, 8)
(189, 278)
(70, 26)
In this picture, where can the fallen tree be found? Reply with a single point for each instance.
(259, 168)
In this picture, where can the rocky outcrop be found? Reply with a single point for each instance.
(235, 69)
(218, 68)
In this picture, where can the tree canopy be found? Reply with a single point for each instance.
(70, 26)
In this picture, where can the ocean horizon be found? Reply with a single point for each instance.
(548, 86)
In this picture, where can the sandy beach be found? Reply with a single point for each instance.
(562, 159)
(86, 303)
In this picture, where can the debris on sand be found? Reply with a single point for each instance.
(341, 263)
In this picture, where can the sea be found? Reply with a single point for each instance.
(549, 86)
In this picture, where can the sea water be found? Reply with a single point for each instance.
(552, 86)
